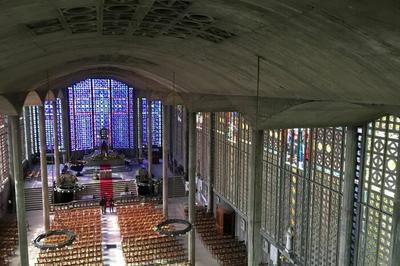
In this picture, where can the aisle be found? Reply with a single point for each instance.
(112, 249)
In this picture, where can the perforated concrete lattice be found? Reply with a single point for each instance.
(134, 18)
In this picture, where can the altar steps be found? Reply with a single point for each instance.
(117, 187)
(33, 198)
(176, 187)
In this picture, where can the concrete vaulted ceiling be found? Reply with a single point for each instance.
(321, 62)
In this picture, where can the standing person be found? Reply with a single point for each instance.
(111, 202)
(103, 205)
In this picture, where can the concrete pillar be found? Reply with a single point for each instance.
(192, 184)
(149, 137)
(254, 251)
(165, 151)
(395, 252)
(140, 128)
(43, 169)
(186, 142)
(211, 158)
(66, 129)
(19, 188)
(346, 213)
(27, 127)
(56, 144)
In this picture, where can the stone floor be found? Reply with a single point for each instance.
(112, 251)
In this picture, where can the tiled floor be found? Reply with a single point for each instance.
(111, 236)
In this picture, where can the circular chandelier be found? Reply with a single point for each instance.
(68, 188)
(164, 229)
(70, 237)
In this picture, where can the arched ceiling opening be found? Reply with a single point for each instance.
(311, 51)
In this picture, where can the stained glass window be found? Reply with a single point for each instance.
(302, 178)
(232, 145)
(82, 111)
(120, 113)
(203, 144)
(101, 103)
(4, 163)
(380, 173)
(102, 107)
(33, 121)
(156, 108)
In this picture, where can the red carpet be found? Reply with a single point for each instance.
(106, 186)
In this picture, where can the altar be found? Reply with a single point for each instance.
(105, 155)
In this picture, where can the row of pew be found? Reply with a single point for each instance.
(8, 239)
(226, 249)
(87, 247)
(141, 244)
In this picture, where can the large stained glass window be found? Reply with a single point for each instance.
(302, 178)
(232, 145)
(203, 144)
(48, 112)
(32, 119)
(156, 108)
(378, 191)
(101, 103)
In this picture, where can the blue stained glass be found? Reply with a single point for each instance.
(34, 128)
(131, 118)
(71, 117)
(101, 89)
(48, 113)
(60, 124)
(157, 123)
(144, 121)
(101, 103)
(120, 114)
(156, 108)
(83, 115)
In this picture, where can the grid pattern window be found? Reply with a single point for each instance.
(232, 144)
(48, 114)
(380, 174)
(122, 120)
(203, 144)
(21, 125)
(33, 121)
(302, 178)
(156, 109)
(4, 159)
(101, 103)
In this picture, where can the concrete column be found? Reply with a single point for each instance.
(395, 252)
(254, 251)
(19, 188)
(149, 137)
(66, 129)
(165, 151)
(140, 128)
(211, 158)
(27, 126)
(192, 184)
(346, 213)
(186, 142)
(43, 169)
(56, 145)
